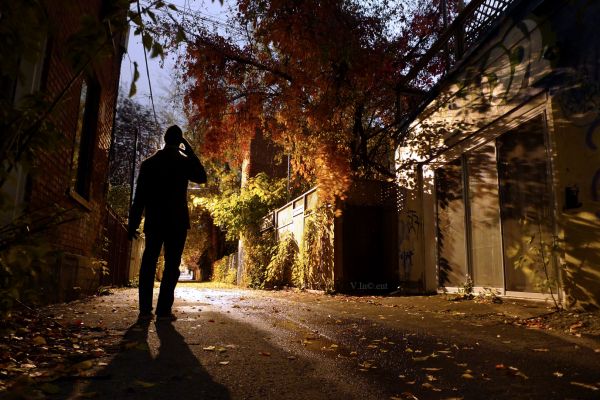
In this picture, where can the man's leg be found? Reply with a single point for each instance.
(154, 242)
(174, 243)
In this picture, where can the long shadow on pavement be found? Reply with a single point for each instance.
(175, 373)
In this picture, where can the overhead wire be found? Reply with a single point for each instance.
(187, 11)
(147, 69)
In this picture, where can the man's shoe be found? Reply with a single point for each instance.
(166, 318)
(145, 316)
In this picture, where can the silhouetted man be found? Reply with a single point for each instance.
(162, 193)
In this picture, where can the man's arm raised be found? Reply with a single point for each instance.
(196, 172)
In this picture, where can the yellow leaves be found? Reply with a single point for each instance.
(209, 348)
(223, 362)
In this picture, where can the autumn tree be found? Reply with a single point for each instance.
(137, 135)
(323, 79)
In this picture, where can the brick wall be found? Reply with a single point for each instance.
(261, 158)
(51, 175)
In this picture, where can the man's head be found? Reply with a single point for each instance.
(173, 136)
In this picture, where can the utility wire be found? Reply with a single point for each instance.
(187, 11)
(147, 69)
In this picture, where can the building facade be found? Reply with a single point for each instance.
(71, 175)
(500, 165)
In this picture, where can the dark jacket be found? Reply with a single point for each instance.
(162, 190)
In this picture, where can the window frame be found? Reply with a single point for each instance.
(84, 141)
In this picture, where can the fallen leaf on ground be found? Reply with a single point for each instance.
(87, 364)
(541, 350)
(467, 376)
(585, 385)
(424, 358)
(144, 384)
(265, 353)
(515, 372)
(558, 374)
(575, 326)
(50, 388)
(39, 341)
(209, 348)
(129, 345)
(223, 362)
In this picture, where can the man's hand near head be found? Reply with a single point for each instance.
(187, 148)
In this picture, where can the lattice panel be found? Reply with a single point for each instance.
(482, 18)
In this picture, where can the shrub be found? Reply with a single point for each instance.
(223, 271)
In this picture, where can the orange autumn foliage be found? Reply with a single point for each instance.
(319, 78)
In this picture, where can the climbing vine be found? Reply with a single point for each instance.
(315, 269)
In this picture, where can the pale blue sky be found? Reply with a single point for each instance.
(162, 77)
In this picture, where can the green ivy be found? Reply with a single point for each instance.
(284, 261)
(315, 269)
(240, 212)
(257, 254)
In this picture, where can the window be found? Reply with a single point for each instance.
(85, 134)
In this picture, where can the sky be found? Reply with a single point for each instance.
(161, 76)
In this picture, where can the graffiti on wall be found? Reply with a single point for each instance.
(408, 228)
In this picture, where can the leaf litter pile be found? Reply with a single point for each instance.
(37, 351)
